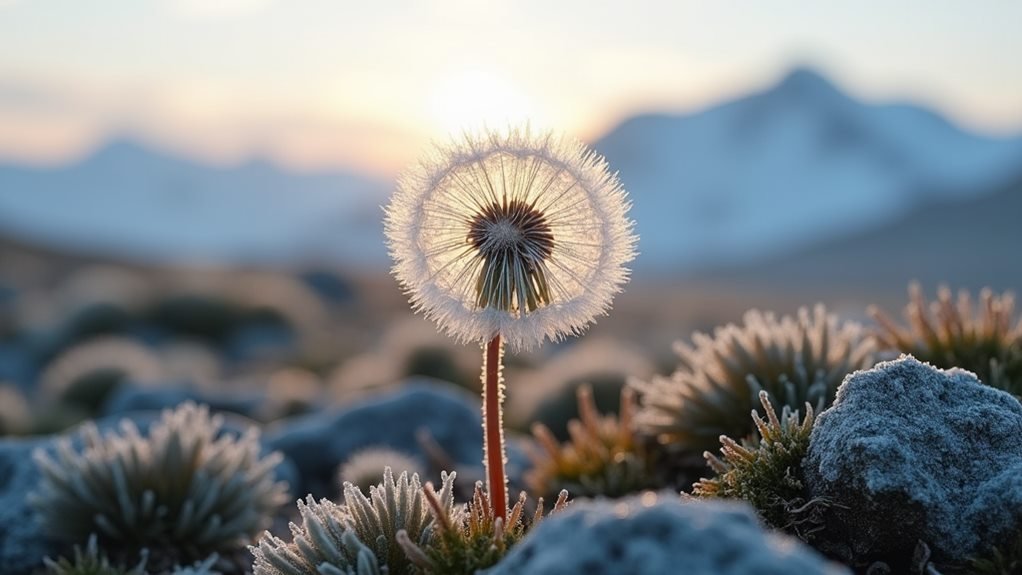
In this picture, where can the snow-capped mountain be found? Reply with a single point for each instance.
(798, 163)
(130, 200)
(761, 176)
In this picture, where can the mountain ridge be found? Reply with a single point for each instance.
(769, 173)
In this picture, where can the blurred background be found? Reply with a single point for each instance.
(190, 190)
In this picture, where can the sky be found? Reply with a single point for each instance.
(366, 85)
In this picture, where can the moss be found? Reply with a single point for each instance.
(766, 471)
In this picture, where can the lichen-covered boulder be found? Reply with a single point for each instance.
(911, 453)
(319, 443)
(653, 534)
(22, 543)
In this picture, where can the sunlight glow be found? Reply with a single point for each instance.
(473, 99)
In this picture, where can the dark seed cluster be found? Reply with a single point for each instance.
(513, 240)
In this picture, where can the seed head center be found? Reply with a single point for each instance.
(513, 240)
(512, 228)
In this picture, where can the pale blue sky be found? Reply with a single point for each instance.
(326, 82)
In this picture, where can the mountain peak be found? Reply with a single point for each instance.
(123, 151)
(804, 82)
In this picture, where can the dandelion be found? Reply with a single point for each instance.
(509, 238)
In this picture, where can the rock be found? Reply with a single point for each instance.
(130, 398)
(318, 443)
(22, 543)
(912, 453)
(653, 534)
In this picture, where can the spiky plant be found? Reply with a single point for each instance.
(364, 468)
(796, 360)
(954, 333)
(199, 568)
(472, 538)
(186, 489)
(91, 561)
(1004, 559)
(357, 537)
(766, 470)
(602, 457)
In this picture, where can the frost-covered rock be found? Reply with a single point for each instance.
(319, 443)
(22, 544)
(911, 453)
(659, 535)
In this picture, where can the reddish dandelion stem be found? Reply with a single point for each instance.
(493, 428)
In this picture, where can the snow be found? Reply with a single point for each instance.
(658, 534)
(128, 199)
(916, 453)
(797, 163)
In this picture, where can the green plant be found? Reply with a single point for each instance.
(602, 457)
(947, 333)
(471, 539)
(796, 360)
(186, 489)
(357, 537)
(1004, 559)
(91, 561)
(766, 471)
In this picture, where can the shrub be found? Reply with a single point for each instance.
(357, 537)
(947, 333)
(471, 539)
(186, 488)
(602, 457)
(796, 360)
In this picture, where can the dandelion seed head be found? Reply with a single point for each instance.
(511, 233)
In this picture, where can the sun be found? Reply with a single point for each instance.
(475, 99)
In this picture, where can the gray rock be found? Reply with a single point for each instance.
(912, 453)
(130, 398)
(22, 543)
(652, 534)
(318, 443)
